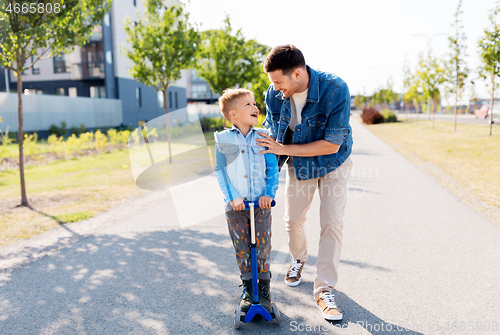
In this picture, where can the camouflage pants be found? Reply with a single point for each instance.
(238, 223)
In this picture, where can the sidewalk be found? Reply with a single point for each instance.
(414, 256)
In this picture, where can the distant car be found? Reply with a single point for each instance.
(482, 112)
(496, 116)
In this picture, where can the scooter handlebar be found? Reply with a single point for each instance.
(247, 204)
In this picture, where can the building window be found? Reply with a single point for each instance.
(59, 64)
(135, 3)
(98, 91)
(36, 67)
(176, 101)
(72, 92)
(169, 99)
(138, 96)
(161, 100)
(60, 91)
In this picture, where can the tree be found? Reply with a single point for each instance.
(227, 60)
(430, 75)
(26, 34)
(489, 49)
(259, 80)
(162, 44)
(457, 71)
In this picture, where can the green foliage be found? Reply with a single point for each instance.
(210, 124)
(100, 140)
(163, 43)
(385, 95)
(227, 60)
(73, 217)
(389, 115)
(29, 144)
(489, 49)
(77, 131)
(59, 131)
(456, 69)
(430, 75)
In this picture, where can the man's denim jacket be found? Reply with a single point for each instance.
(241, 170)
(325, 116)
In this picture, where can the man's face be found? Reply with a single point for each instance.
(286, 84)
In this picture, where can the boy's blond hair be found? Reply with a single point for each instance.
(229, 99)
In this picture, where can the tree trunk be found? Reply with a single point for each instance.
(456, 103)
(433, 112)
(165, 103)
(417, 108)
(20, 134)
(492, 100)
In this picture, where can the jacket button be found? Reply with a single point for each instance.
(298, 129)
(244, 176)
(298, 166)
(242, 151)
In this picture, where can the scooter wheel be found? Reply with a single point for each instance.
(276, 312)
(237, 318)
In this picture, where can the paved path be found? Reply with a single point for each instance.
(414, 256)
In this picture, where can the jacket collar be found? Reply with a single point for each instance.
(313, 88)
(236, 128)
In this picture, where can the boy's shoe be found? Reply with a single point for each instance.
(293, 276)
(246, 297)
(326, 303)
(265, 294)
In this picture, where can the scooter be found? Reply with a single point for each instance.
(256, 308)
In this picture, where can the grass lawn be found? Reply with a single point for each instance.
(470, 156)
(68, 190)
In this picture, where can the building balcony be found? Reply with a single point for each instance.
(88, 70)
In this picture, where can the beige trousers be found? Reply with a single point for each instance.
(332, 189)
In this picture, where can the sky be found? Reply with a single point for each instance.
(365, 42)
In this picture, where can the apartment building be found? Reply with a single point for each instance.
(99, 70)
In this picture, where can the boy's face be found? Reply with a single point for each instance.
(245, 112)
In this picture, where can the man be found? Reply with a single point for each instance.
(308, 115)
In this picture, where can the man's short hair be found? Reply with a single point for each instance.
(229, 99)
(285, 58)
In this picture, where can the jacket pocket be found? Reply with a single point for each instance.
(316, 127)
(230, 151)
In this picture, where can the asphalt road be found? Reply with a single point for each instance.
(467, 118)
(414, 257)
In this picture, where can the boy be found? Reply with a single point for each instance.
(246, 175)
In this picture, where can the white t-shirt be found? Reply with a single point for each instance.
(297, 102)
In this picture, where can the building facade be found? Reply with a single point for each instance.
(100, 70)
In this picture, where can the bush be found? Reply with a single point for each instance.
(389, 116)
(209, 124)
(371, 116)
(59, 131)
(78, 131)
(29, 144)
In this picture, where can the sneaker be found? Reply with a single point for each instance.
(326, 303)
(293, 276)
(265, 294)
(246, 297)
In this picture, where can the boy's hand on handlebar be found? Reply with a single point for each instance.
(265, 201)
(237, 204)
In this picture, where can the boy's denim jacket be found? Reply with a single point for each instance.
(242, 171)
(325, 116)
